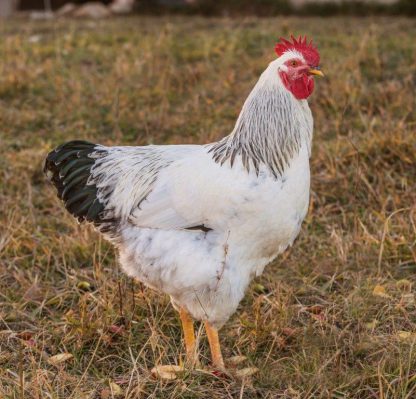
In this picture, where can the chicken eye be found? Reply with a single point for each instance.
(293, 63)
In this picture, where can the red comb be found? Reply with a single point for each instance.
(308, 50)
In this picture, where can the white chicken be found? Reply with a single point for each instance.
(198, 222)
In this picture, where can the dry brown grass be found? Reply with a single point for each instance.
(335, 317)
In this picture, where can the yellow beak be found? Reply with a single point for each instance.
(316, 72)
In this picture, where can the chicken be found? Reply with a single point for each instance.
(199, 222)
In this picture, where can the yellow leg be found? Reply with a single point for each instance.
(214, 344)
(188, 333)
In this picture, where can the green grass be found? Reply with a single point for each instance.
(312, 324)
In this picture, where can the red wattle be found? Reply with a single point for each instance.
(301, 88)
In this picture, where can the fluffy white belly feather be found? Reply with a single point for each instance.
(253, 219)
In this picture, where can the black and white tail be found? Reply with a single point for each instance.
(68, 167)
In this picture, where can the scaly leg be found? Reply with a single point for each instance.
(214, 344)
(170, 372)
(189, 335)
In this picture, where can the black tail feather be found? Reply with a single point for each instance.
(68, 167)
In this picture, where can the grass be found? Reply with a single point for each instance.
(334, 317)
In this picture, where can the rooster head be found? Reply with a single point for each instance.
(298, 63)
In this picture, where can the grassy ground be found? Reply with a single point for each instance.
(334, 317)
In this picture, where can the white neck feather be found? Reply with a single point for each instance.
(270, 129)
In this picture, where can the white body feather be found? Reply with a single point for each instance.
(157, 192)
